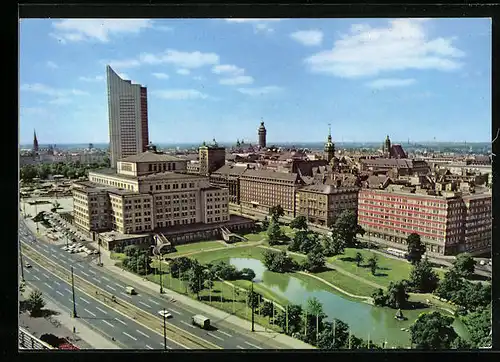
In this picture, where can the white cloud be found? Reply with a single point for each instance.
(52, 65)
(403, 45)
(161, 75)
(259, 25)
(199, 77)
(238, 80)
(390, 83)
(49, 91)
(228, 69)
(180, 94)
(73, 30)
(259, 91)
(183, 71)
(60, 101)
(181, 59)
(308, 37)
(97, 78)
(126, 63)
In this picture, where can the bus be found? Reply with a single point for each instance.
(397, 252)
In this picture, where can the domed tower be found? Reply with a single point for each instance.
(329, 151)
(387, 147)
(262, 135)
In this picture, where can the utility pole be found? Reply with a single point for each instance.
(99, 250)
(253, 308)
(21, 260)
(317, 328)
(286, 319)
(164, 330)
(73, 292)
(161, 276)
(234, 306)
(334, 330)
(36, 215)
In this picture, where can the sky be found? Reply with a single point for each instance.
(416, 79)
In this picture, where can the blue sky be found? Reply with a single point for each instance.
(216, 78)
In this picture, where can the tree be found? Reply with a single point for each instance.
(379, 298)
(28, 173)
(315, 260)
(450, 284)
(460, 343)
(478, 324)
(268, 257)
(180, 266)
(195, 277)
(423, 279)
(276, 212)
(247, 274)
(346, 228)
(358, 258)
(397, 297)
(334, 335)
(416, 248)
(333, 245)
(432, 331)
(274, 234)
(310, 243)
(294, 314)
(297, 240)
(267, 309)
(299, 223)
(373, 263)
(254, 299)
(464, 265)
(35, 302)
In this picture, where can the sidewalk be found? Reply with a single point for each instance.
(242, 325)
(84, 338)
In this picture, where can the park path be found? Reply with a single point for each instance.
(242, 245)
(335, 267)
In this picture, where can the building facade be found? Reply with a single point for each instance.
(262, 189)
(147, 193)
(211, 158)
(262, 133)
(440, 218)
(228, 176)
(128, 117)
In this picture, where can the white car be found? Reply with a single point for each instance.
(165, 314)
(64, 247)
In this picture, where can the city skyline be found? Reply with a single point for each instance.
(426, 75)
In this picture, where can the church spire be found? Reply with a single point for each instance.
(35, 141)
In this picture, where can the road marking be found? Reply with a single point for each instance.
(128, 335)
(147, 305)
(85, 273)
(37, 278)
(85, 300)
(62, 261)
(128, 296)
(149, 347)
(253, 345)
(86, 310)
(36, 268)
(187, 324)
(57, 282)
(71, 300)
(122, 322)
(97, 280)
(121, 286)
(66, 289)
(109, 324)
(46, 276)
(152, 301)
(227, 334)
(101, 310)
(105, 278)
(240, 346)
(56, 257)
(110, 287)
(58, 292)
(213, 335)
(144, 334)
(91, 271)
(48, 285)
(175, 311)
(81, 266)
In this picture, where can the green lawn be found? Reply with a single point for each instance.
(343, 282)
(222, 296)
(256, 237)
(243, 252)
(277, 246)
(117, 256)
(194, 247)
(389, 269)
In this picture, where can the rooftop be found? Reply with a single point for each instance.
(149, 156)
(328, 189)
(271, 174)
(231, 170)
(158, 175)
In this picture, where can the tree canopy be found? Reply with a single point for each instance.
(433, 331)
(346, 228)
(423, 279)
(416, 248)
(276, 212)
(464, 265)
(299, 223)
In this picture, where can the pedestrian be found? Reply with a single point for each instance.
(74, 329)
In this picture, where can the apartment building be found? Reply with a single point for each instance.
(263, 189)
(439, 217)
(228, 176)
(322, 203)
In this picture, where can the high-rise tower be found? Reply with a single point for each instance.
(128, 117)
(387, 147)
(329, 151)
(35, 142)
(262, 135)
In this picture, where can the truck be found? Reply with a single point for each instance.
(130, 290)
(201, 321)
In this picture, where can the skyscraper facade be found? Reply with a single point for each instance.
(128, 117)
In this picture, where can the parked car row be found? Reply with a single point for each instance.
(79, 248)
(64, 229)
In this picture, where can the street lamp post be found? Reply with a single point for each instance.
(234, 306)
(164, 330)
(286, 319)
(99, 250)
(253, 308)
(161, 276)
(73, 292)
(21, 260)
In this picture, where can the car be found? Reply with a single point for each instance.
(95, 252)
(27, 265)
(482, 262)
(165, 313)
(72, 251)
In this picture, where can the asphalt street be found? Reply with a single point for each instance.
(103, 319)
(85, 268)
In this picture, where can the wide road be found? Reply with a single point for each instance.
(223, 336)
(106, 321)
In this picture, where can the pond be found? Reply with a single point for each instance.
(366, 321)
